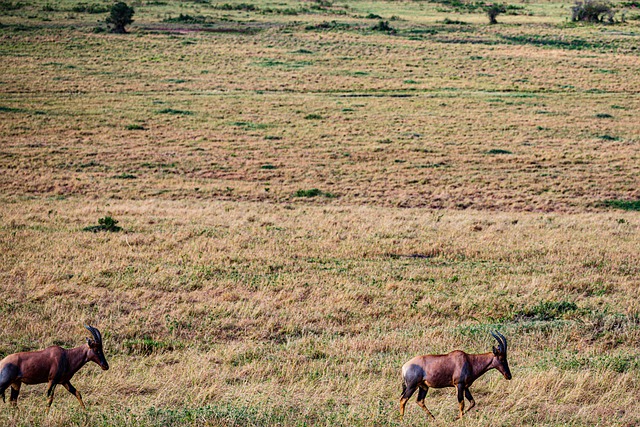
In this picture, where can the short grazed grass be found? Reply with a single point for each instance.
(304, 203)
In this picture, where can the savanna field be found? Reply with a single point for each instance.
(310, 193)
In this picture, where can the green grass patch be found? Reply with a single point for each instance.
(314, 192)
(4, 109)
(626, 205)
(497, 151)
(553, 42)
(250, 125)
(547, 311)
(175, 112)
(147, 346)
(125, 176)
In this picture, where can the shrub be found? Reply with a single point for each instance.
(187, 19)
(448, 21)
(314, 192)
(384, 26)
(121, 15)
(592, 11)
(104, 224)
(493, 10)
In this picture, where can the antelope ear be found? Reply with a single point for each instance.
(495, 351)
(91, 342)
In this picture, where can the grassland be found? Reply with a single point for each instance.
(306, 203)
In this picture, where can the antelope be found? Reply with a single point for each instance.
(456, 369)
(53, 365)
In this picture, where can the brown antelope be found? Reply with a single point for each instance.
(53, 365)
(456, 369)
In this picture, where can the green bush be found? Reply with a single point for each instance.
(104, 224)
(314, 192)
(384, 27)
(121, 15)
(593, 11)
(187, 19)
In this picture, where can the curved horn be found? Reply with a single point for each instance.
(97, 337)
(502, 341)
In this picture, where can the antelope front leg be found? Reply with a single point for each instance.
(50, 390)
(472, 402)
(75, 392)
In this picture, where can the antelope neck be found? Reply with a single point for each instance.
(77, 357)
(481, 363)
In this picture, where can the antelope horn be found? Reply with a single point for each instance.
(97, 337)
(502, 341)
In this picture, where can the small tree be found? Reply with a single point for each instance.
(120, 17)
(593, 11)
(493, 10)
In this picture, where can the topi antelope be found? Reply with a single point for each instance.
(456, 369)
(53, 365)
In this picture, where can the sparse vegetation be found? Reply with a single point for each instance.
(276, 269)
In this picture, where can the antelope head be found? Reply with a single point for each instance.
(500, 355)
(95, 348)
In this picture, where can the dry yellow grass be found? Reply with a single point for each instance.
(311, 310)
(460, 171)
